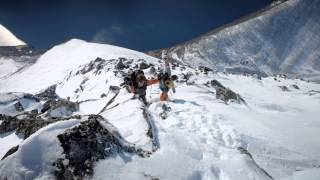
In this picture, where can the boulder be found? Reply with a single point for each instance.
(295, 86)
(84, 145)
(225, 94)
(284, 88)
(60, 108)
(18, 106)
(120, 65)
(11, 151)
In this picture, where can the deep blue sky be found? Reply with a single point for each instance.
(137, 24)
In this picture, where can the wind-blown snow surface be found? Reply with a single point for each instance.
(275, 135)
(8, 39)
(283, 39)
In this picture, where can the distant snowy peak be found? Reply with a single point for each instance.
(9, 39)
(279, 39)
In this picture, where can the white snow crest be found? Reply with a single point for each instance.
(8, 39)
(36, 154)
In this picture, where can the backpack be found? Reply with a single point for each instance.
(164, 76)
(134, 77)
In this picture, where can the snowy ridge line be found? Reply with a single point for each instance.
(245, 18)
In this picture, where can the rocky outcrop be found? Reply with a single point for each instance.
(11, 151)
(225, 94)
(18, 106)
(87, 143)
(24, 127)
(49, 93)
(284, 88)
(295, 86)
(59, 108)
(205, 69)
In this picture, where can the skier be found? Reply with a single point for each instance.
(166, 81)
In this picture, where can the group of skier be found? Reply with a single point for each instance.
(137, 82)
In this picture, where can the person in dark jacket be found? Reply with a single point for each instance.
(139, 83)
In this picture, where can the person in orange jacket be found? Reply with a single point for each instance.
(165, 81)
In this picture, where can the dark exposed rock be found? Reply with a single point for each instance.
(11, 151)
(143, 66)
(121, 65)
(34, 112)
(49, 93)
(25, 126)
(84, 145)
(182, 68)
(225, 94)
(152, 70)
(216, 84)
(186, 77)
(60, 108)
(46, 106)
(18, 106)
(284, 88)
(205, 69)
(27, 123)
(295, 86)
(95, 65)
(8, 123)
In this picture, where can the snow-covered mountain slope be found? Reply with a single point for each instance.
(8, 39)
(272, 135)
(52, 66)
(281, 39)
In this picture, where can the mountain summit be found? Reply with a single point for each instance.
(9, 39)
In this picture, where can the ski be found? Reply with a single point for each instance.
(116, 91)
